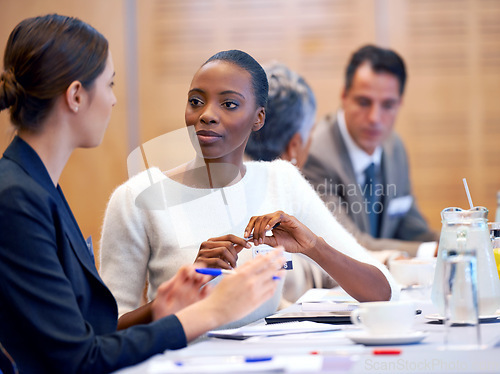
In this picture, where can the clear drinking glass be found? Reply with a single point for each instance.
(462, 329)
(495, 242)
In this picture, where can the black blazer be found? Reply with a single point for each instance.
(56, 314)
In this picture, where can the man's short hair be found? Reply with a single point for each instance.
(381, 60)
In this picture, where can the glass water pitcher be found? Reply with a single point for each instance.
(464, 230)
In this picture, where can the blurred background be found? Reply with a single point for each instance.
(450, 120)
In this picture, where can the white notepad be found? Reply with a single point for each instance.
(329, 306)
(272, 329)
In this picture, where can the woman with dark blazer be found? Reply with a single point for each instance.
(56, 314)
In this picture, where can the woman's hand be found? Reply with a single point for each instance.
(250, 285)
(221, 252)
(184, 289)
(292, 234)
(235, 296)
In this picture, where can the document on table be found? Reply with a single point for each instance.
(311, 316)
(327, 300)
(237, 364)
(272, 329)
(329, 306)
(222, 364)
(323, 294)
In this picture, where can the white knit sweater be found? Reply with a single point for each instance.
(153, 225)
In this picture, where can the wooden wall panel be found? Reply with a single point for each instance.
(91, 174)
(314, 37)
(450, 120)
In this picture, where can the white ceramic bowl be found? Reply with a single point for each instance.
(413, 271)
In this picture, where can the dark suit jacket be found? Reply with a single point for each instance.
(56, 315)
(329, 169)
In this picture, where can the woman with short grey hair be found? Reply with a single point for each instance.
(290, 116)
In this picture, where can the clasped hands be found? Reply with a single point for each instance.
(293, 235)
(188, 287)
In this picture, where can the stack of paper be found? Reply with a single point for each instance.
(272, 329)
(323, 294)
(329, 306)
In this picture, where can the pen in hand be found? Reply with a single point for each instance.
(250, 237)
(217, 272)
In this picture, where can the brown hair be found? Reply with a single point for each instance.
(43, 56)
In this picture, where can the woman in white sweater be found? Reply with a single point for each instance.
(159, 220)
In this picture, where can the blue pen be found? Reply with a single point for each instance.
(258, 358)
(219, 360)
(217, 272)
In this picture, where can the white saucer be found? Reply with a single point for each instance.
(486, 318)
(367, 339)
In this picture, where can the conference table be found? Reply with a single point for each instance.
(334, 352)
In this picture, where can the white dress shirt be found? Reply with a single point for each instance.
(359, 158)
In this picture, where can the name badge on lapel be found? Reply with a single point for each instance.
(90, 247)
(400, 205)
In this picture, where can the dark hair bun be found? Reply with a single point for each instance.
(10, 90)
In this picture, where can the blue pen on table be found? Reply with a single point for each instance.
(218, 360)
(217, 272)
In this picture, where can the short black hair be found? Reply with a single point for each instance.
(248, 63)
(381, 60)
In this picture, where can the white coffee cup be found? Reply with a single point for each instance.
(385, 317)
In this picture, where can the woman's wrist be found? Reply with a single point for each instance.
(200, 317)
(314, 247)
(156, 311)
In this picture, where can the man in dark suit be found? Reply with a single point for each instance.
(358, 164)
